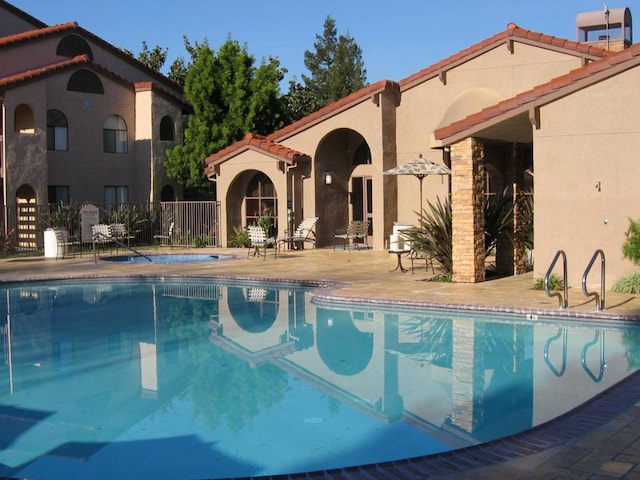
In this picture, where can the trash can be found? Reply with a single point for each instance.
(50, 243)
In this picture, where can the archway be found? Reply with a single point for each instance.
(251, 198)
(346, 156)
(167, 194)
(26, 218)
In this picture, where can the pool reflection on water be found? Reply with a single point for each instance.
(183, 379)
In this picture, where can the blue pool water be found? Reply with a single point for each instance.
(181, 379)
(167, 258)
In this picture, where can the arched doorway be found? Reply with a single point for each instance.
(252, 199)
(346, 156)
(26, 218)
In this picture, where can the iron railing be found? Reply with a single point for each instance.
(196, 223)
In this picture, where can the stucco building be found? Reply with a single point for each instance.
(82, 121)
(516, 103)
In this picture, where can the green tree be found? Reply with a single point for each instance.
(179, 67)
(154, 58)
(230, 96)
(336, 70)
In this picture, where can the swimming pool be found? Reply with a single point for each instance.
(119, 378)
(165, 258)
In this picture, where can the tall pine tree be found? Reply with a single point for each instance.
(336, 70)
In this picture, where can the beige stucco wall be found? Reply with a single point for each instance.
(590, 137)
(248, 160)
(366, 120)
(151, 152)
(85, 167)
(424, 106)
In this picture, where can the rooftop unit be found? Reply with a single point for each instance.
(607, 28)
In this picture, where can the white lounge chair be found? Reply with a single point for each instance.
(304, 233)
(259, 242)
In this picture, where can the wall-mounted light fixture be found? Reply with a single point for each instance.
(598, 186)
(328, 178)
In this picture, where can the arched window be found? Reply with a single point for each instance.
(57, 131)
(72, 46)
(23, 119)
(166, 129)
(85, 81)
(115, 135)
(166, 194)
(261, 203)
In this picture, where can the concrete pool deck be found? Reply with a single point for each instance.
(598, 440)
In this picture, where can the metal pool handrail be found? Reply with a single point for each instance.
(564, 302)
(111, 239)
(599, 298)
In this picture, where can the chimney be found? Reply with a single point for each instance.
(607, 28)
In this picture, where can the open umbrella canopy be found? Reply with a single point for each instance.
(420, 168)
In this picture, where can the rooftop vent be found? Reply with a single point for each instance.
(606, 28)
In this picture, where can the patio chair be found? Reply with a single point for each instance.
(166, 239)
(348, 235)
(421, 255)
(362, 233)
(63, 243)
(102, 236)
(259, 242)
(119, 232)
(304, 233)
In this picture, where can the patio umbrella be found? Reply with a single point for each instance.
(420, 168)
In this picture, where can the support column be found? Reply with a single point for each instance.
(467, 212)
(505, 248)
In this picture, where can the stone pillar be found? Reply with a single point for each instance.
(467, 212)
(520, 261)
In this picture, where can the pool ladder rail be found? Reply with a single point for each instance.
(564, 300)
(98, 235)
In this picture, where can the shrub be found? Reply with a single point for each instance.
(240, 238)
(555, 283)
(631, 246)
(434, 233)
(628, 284)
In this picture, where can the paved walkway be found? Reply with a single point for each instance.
(599, 440)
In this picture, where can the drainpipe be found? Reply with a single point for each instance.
(3, 160)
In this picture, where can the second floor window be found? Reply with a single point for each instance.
(116, 194)
(115, 135)
(57, 131)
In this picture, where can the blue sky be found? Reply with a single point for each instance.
(398, 38)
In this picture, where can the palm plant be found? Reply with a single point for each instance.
(434, 233)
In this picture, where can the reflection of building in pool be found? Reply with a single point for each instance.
(452, 377)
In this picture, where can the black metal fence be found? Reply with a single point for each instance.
(185, 224)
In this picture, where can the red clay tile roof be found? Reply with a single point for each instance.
(334, 108)
(578, 79)
(513, 33)
(47, 70)
(73, 27)
(257, 143)
(270, 143)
